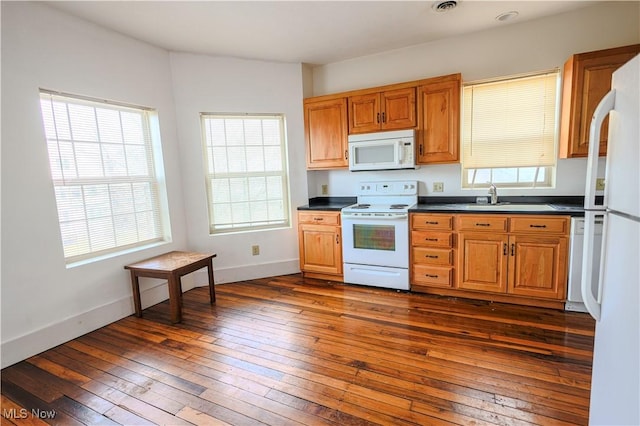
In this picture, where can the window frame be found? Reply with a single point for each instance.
(153, 195)
(210, 175)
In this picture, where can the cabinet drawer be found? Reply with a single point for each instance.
(440, 276)
(320, 218)
(432, 256)
(432, 221)
(540, 224)
(432, 239)
(493, 223)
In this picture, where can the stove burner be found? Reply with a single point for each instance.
(361, 206)
(398, 206)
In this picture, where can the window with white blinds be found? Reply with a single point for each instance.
(509, 131)
(101, 161)
(247, 184)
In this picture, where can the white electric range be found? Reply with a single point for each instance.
(375, 234)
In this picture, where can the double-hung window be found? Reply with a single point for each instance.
(246, 171)
(102, 166)
(510, 130)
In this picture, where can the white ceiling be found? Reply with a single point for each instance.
(313, 32)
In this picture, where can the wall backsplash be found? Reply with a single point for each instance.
(569, 180)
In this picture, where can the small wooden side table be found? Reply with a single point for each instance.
(171, 266)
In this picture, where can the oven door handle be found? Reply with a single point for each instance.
(348, 216)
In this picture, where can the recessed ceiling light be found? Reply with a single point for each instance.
(444, 5)
(507, 16)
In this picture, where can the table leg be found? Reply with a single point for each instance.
(212, 291)
(174, 298)
(135, 284)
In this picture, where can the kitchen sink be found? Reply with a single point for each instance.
(506, 207)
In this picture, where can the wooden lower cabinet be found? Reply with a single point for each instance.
(483, 263)
(432, 252)
(515, 259)
(537, 266)
(320, 245)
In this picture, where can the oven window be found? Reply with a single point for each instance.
(374, 237)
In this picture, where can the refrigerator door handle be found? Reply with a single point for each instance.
(591, 301)
(604, 107)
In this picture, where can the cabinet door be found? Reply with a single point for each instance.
(538, 266)
(399, 109)
(587, 78)
(320, 248)
(325, 125)
(483, 262)
(439, 122)
(365, 114)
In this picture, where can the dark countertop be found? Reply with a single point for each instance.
(563, 205)
(328, 203)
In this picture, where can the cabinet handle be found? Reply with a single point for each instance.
(384, 118)
(346, 154)
(513, 249)
(504, 249)
(337, 239)
(318, 219)
(431, 239)
(430, 276)
(420, 149)
(431, 256)
(537, 226)
(431, 223)
(483, 224)
(378, 118)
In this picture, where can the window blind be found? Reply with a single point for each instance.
(510, 123)
(247, 184)
(101, 162)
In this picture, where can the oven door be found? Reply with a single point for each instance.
(379, 241)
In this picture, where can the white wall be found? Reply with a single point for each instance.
(517, 48)
(211, 84)
(43, 302)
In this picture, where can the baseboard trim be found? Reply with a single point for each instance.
(27, 345)
(251, 272)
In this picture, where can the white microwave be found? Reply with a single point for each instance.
(383, 151)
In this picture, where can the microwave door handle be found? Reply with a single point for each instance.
(400, 152)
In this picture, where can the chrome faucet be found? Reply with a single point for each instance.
(493, 191)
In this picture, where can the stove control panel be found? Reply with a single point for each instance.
(388, 188)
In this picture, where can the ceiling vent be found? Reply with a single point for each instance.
(444, 5)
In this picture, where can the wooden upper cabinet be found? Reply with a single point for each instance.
(586, 79)
(325, 127)
(439, 120)
(389, 110)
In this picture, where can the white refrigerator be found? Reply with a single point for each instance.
(615, 384)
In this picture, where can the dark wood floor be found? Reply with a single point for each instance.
(286, 350)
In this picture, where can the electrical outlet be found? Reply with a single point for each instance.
(255, 250)
(438, 186)
(325, 189)
(600, 184)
